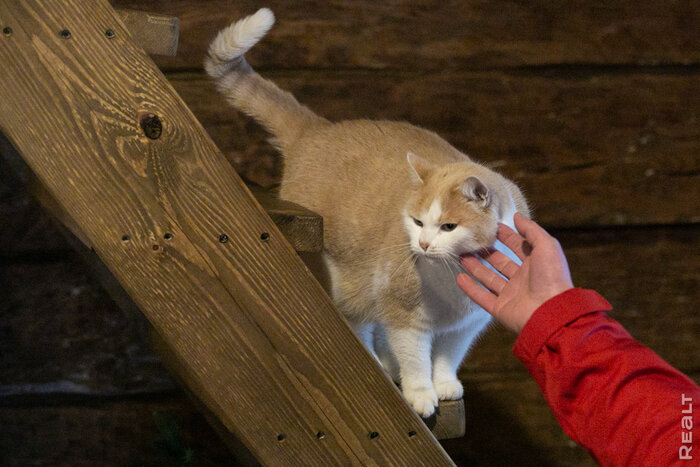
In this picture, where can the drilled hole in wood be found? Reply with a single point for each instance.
(223, 238)
(168, 236)
(281, 438)
(373, 435)
(264, 236)
(65, 34)
(125, 238)
(7, 31)
(155, 247)
(109, 33)
(411, 434)
(320, 435)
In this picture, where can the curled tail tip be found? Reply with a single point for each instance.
(235, 40)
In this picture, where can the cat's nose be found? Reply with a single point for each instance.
(424, 245)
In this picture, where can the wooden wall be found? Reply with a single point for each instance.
(592, 107)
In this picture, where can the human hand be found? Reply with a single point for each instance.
(543, 274)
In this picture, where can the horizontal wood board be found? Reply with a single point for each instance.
(176, 196)
(594, 149)
(435, 34)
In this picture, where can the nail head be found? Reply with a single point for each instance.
(373, 435)
(264, 236)
(168, 236)
(109, 33)
(7, 31)
(320, 435)
(223, 238)
(65, 33)
(281, 437)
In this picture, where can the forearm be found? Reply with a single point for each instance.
(609, 393)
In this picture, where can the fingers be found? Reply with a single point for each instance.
(489, 278)
(529, 229)
(513, 240)
(481, 296)
(502, 263)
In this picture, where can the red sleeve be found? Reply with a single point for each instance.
(611, 394)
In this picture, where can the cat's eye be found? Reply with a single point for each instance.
(418, 223)
(448, 227)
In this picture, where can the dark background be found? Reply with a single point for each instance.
(592, 107)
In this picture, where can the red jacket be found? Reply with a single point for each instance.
(611, 394)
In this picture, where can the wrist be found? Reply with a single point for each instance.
(552, 315)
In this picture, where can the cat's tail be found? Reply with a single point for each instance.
(246, 90)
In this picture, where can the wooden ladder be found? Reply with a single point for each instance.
(110, 149)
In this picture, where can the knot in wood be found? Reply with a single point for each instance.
(151, 126)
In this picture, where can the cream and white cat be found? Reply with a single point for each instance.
(399, 205)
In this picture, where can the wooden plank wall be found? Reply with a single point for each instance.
(592, 107)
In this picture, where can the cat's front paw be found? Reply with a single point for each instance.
(449, 390)
(423, 400)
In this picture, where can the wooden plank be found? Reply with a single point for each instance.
(63, 339)
(27, 230)
(110, 434)
(209, 296)
(156, 34)
(301, 227)
(433, 34)
(590, 149)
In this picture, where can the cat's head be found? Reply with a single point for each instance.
(451, 211)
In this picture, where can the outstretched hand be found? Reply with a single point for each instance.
(543, 274)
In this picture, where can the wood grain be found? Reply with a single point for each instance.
(243, 314)
(156, 34)
(434, 34)
(589, 149)
(302, 228)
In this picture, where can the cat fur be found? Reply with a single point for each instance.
(372, 181)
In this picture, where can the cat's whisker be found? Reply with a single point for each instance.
(400, 265)
(383, 252)
(407, 274)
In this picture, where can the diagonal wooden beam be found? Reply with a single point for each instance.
(111, 140)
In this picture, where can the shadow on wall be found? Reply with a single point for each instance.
(494, 438)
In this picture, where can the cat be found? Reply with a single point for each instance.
(399, 206)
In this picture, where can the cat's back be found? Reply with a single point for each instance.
(362, 160)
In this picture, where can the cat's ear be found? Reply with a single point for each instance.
(475, 190)
(421, 167)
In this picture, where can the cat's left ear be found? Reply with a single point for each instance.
(475, 190)
(421, 167)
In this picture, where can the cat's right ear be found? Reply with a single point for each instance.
(421, 167)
